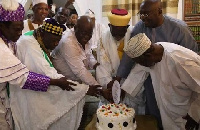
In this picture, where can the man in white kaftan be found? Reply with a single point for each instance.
(175, 77)
(110, 51)
(54, 110)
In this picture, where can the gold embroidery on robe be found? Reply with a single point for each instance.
(120, 50)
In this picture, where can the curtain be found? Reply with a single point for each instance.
(170, 7)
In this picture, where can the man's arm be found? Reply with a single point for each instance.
(125, 66)
(189, 75)
(186, 39)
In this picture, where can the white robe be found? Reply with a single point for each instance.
(107, 56)
(97, 34)
(176, 83)
(53, 110)
(14, 72)
(26, 27)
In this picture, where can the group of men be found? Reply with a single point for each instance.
(154, 67)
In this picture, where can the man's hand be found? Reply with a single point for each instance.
(62, 83)
(107, 94)
(110, 84)
(191, 123)
(95, 66)
(94, 90)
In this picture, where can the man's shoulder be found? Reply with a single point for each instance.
(27, 39)
(174, 21)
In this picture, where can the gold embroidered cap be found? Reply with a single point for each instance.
(52, 26)
(119, 17)
(137, 45)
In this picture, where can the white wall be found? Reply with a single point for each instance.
(82, 6)
(96, 5)
(180, 10)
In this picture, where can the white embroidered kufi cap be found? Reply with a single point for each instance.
(39, 1)
(90, 13)
(137, 45)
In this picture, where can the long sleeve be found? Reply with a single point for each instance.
(73, 55)
(189, 75)
(32, 81)
(125, 66)
(185, 38)
(135, 81)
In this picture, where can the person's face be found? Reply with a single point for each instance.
(150, 15)
(83, 33)
(62, 15)
(74, 18)
(145, 61)
(40, 11)
(118, 32)
(50, 40)
(13, 31)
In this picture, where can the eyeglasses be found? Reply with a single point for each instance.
(145, 14)
(142, 15)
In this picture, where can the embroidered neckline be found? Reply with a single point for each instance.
(38, 37)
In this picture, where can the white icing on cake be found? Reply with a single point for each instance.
(115, 117)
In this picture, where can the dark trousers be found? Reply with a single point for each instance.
(151, 104)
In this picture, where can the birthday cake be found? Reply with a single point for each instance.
(115, 117)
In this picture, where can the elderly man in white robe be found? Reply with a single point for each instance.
(55, 109)
(110, 51)
(175, 77)
(40, 12)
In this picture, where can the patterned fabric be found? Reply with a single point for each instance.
(137, 45)
(8, 15)
(52, 26)
(133, 6)
(120, 50)
(37, 82)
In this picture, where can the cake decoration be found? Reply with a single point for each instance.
(116, 117)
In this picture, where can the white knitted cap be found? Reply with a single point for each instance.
(39, 1)
(137, 45)
(90, 13)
